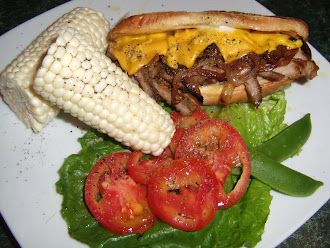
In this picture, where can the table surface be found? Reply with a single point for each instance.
(315, 232)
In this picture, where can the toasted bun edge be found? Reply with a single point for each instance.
(212, 93)
(173, 20)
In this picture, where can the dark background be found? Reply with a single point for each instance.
(315, 232)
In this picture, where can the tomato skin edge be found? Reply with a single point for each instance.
(188, 210)
(122, 190)
(238, 192)
(141, 170)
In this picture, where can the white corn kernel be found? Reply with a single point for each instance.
(95, 120)
(17, 78)
(89, 107)
(66, 59)
(59, 92)
(78, 87)
(112, 117)
(110, 102)
(97, 110)
(86, 64)
(66, 72)
(47, 62)
(75, 64)
(68, 95)
(76, 98)
(95, 79)
(58, 82)
(59, 53)
(67, 106)
(78, 74)
(74, 110)
(56, 67)
(83, 101)
(59, 101)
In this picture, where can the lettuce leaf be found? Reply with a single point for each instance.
(242, 224)
(256, 125)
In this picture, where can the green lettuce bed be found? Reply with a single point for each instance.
(240, 225)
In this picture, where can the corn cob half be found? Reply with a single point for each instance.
(79, 78)
(17, 79)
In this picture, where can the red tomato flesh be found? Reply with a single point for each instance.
(141, 170)
(185, 122)
(222, 147)
(182, 123)
(116, 201)
(184, 194)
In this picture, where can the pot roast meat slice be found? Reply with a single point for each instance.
(299, 66)
(156, 81)
(143, 80)
(281, 56)
(191, 79)
(186, 105)
(244, 71)
(271, 75)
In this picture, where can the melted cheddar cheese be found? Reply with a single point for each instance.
(184, 46)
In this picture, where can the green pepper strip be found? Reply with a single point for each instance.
(280, 177)
(289, 141)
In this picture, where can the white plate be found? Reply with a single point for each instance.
(29, 162)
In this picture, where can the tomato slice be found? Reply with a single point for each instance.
(184, 194)
(176, 138)
(114, 199)
(141, 170)
(182, 123)
(221, 146)
(185, 122)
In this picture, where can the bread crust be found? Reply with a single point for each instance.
(169, 21)
(212, 93)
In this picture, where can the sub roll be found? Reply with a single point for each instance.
(214, 57)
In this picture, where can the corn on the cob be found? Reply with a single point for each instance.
(79, 78)
(17, 79)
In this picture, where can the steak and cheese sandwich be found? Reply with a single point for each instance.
(214, 57)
